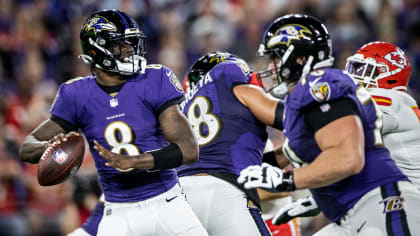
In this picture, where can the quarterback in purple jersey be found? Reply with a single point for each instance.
(228, 114)
(332, 137)
(129, 114)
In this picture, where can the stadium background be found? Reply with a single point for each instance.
(39, 46)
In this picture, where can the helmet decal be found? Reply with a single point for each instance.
(205, 63)
(287, 33)
(221, 57)
(396, 58)
(99, 23)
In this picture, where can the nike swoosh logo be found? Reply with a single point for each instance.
(168, 73)
(360, 228)
(312, 83)
(170, 199)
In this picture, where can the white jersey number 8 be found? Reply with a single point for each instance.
(124, 143)
(202, 120)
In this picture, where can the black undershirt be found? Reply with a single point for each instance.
(111, 89)
(318, 115)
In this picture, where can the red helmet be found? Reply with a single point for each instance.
(380, 65)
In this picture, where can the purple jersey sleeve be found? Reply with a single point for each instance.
(64, 105)
(164, 88)
(232, 73)
(321, 86)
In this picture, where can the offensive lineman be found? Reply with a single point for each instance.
(332, 137)
(384, 70)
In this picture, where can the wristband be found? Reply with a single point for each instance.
(168, 157)
(288, 184)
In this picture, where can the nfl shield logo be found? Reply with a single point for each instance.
(60, 156)
(113, 102)
(108, 212)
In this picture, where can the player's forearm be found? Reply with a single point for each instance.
(189, 149)
(32, 149)
(330, 166)
(143, 161)
(265, 195)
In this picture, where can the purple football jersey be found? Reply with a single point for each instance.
(230, 136)
(126, 123)
(300, 146)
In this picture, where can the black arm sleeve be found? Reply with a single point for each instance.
(278, 117)
(318, 115)
(63, 123)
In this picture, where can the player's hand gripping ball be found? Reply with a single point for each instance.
(61, 159)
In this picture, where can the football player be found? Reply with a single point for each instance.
(384, 70)
(332, 137)
(228, 114)
(129, 114)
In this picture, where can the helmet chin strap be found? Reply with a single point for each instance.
(280, 90)
(307, 67)
(325, 63)
(131, 65)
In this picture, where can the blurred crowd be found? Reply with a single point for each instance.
(39, 48)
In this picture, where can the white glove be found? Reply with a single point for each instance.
(303, 207)
(267, 177)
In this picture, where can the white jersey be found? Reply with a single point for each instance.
(401, 130)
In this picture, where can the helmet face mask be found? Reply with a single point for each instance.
(380, 65)
(300, 43)
(112, 41)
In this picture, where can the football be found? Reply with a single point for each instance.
(61, 161)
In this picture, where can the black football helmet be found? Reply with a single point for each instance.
(205, 63)
(288, 38)
(103, 36)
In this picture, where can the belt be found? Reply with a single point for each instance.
(201, 174)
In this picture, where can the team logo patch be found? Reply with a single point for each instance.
(175, 82)
(321, 92)
(60, 156)
(394, 203)
(99, 23)
(288, 33)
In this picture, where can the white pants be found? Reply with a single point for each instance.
(165, 214)
(222, 208)
(379, 214)
(79, 232)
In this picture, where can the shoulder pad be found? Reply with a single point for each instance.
(321, 86)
